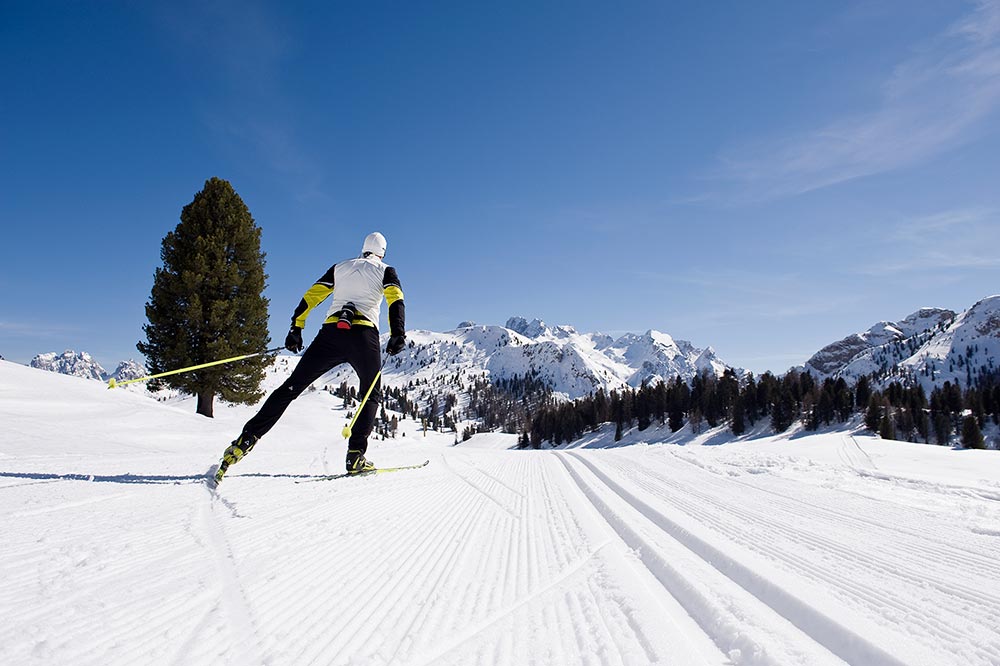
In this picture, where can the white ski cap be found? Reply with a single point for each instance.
(374, 243)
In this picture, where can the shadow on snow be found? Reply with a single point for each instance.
(156, 479)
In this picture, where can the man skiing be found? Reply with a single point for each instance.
(349, 335)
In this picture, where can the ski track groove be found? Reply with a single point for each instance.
(828, 545)
(849, 646)
(233, 598)
(317, 605)
(491, 476)
(500, 504)
(828, 581)
(67, 505)
(453, 562)
(440, 559)
(436, 621)
(709, 510)
(945, 549)
(757, 541)
(931, 545)
(402, 545)
(502, 614)
(182, 655)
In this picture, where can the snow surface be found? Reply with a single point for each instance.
(665, 548)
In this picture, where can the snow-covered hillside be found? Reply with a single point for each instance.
(821, 549)
(570, 363)
(929, 347)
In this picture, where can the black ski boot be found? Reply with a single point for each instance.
(234, 453)
(358, 464)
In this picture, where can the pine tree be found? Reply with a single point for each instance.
(738, 425)
(207, 300)
(972, 436)
(886, 428)
(873, 413)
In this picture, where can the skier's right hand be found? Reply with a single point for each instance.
(293, 341)
(396, 344)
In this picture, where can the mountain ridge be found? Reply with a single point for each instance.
(929, 347)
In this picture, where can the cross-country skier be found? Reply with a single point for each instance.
(349, 335)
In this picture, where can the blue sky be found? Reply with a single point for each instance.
(763, 177)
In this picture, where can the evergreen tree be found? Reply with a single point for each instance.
(207, 300)
(738, 425)
(862, 392)
(886, 428)
(784, 408)
(972, 436)
(873, 414)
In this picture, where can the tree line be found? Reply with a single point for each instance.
(708, 401)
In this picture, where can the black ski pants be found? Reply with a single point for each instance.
(358, 346)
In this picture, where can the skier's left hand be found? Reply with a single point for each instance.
(395, 345)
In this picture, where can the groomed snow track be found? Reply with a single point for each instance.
(624, 556)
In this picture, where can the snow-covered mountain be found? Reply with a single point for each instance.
(77, 364)
(130, 369)
(929, 347)
(82, 364)
(570, 363)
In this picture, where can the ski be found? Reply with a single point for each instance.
(380, 470)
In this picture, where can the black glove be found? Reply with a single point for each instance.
(293, 341)
(396, 344)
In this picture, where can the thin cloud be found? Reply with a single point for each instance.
(939, 99)
(961, 239)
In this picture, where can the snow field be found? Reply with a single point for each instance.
(819, 549)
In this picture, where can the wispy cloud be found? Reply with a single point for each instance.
(733, 297)
(936, 100)
(962, 239)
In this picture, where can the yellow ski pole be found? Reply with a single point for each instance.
(346, 432)
(114, 384)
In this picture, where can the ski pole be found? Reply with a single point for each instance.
(114, 384)
(346, 432)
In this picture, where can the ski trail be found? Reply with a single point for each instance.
(473, 631)
(938, 545)
(69, 505)
(475, 487)
(823, 629)
(183, 654)
(877, 580)
(232, 599)
(848, 451)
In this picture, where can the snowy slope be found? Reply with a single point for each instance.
(826, 549)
